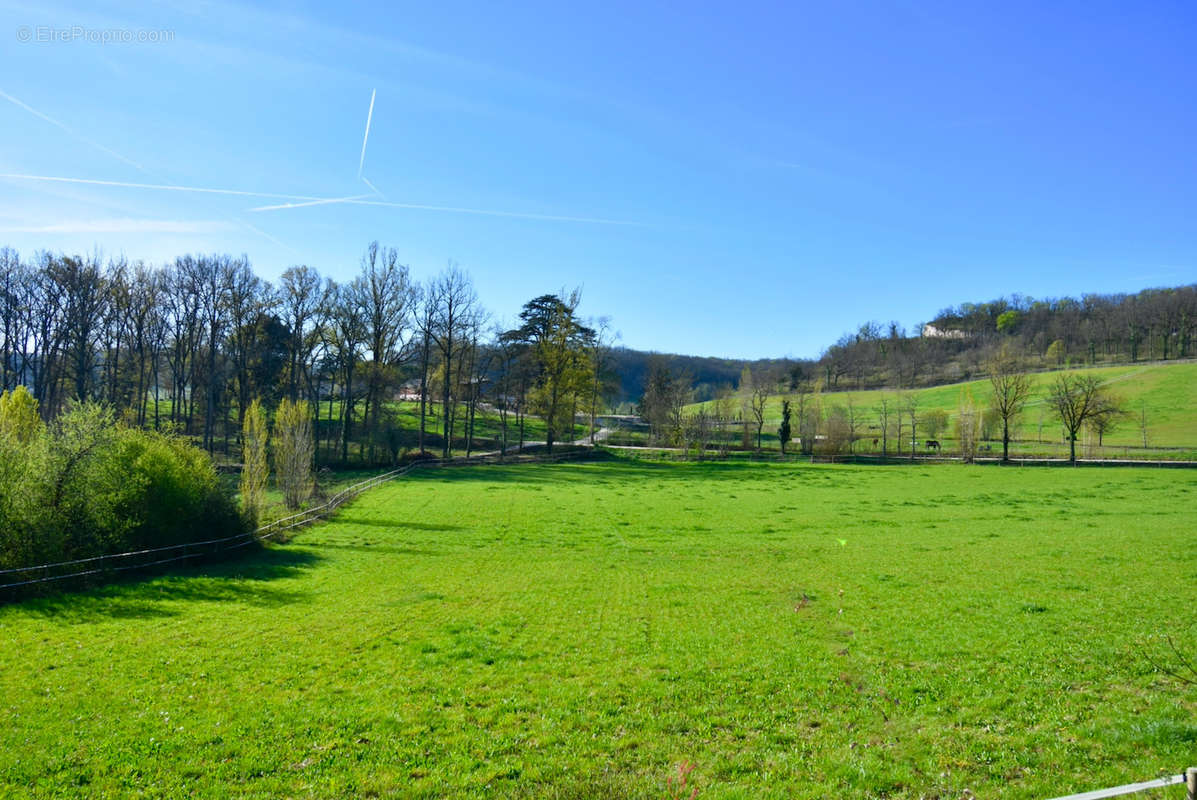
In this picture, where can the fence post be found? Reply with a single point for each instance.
(1191, 783)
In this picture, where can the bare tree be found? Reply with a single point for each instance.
(1102, 424)
(505, 365)
(854, 420)
(454, 306)
(1077, 401)
(910, 404)
(425, 320)
(300, 298)
(214, 278)
(1011, 388)
(761, 389)
(347, 336)
(745, 392)
(836, 431)
(884, 409)
(247, 300)
(696, 431)
(83, 289)
(386, 295)
(475, 366)
(968, 426)
(723, 416)
(144, 321)
(184, 333)
(807, 409)
(13, 279)
(599, 351)
(115, 329)
(665, 395)
(1143, 422)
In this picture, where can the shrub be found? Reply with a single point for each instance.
(169, 493)
(84, 487)
(19, 417)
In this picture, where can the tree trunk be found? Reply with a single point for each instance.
(470, 424)
(447, 445)
(346, 415)
(423, 391)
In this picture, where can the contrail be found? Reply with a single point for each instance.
(362, 161)
(372, 186)
(75, 135)
(263, 233)
(326, 202)
(492, 213)
(164, 187)
(122, 225)
(297, 200)
(131, 163)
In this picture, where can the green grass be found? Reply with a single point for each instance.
(1168, 391)
(487, 424)
(578, 630)
(487, 431)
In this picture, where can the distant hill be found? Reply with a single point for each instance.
(706, 373)
(1097, 329)
(1055, 333)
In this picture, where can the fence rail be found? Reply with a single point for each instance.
(1189, 778)
(17, 577)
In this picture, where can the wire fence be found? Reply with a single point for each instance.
(116, 563)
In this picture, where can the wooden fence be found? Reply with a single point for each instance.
(116, 563)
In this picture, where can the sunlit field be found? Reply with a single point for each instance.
(1158, 396)
(579, 630)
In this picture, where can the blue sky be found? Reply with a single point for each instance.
(738, 180)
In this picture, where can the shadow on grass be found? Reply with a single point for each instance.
(380, 522)
(243, 580)
(612, 469)
(604, 785)
(377, 548)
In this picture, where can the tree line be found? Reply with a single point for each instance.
(824, 424)
(188, 346)
(1154, 324)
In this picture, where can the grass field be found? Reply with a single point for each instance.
(578, 630)
(1166, 391)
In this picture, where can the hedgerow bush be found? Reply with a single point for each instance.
(82, 486)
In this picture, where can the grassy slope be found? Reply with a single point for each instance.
(487, 424)
(487, 428)
(1168, 390)
(577, 630)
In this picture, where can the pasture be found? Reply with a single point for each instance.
(1161, 393)
(578, 630)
